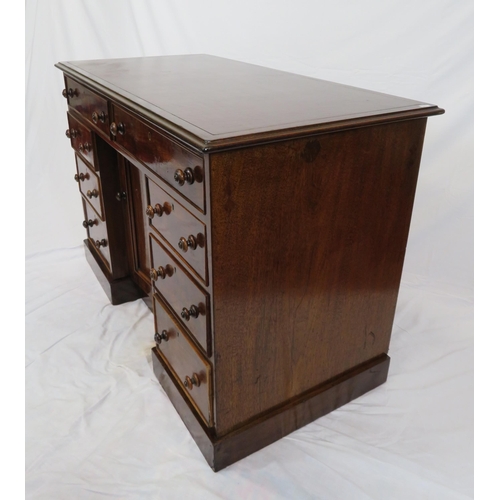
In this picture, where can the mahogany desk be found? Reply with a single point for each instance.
(263, 216)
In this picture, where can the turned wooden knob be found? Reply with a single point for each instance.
(191, 382)
(117, 128)
(84, 147)
(184, 176)
(161, 336)
(89, 223)
(190, 242)
(101, 243)
(71, 133)
(69, 93)
(158, 210)
(192, 312)
(93, 193)
(98, 117)
(80, 177)
(161, 272)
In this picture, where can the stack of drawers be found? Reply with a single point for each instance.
(87, 111)
(172, 180)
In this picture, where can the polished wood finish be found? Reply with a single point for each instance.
(161, 155)
(192, 370)
(281, 421)
(323, 244)
(180, 291)
(215, 103)
(89, 105)
(263, 217)
(131, 195)
(175, 224)
(81, 139)
(113, 209)
(90, 185)
(96, 232)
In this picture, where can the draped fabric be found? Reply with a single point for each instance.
(97, 422)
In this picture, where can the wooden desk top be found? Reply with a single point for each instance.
(214, 103)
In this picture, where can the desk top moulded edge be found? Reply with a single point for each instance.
(202, 141)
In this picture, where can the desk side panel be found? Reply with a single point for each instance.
(308, 243)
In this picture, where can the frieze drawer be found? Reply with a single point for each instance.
(90, 105)
(180, 168)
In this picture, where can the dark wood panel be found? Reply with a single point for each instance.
(90, 186)
(114, 208)
(132, 181)
(81, 139)
(177, 226)
(90, 105)
(264, 430)
(163, 156)
(182, 293)
(193, 372)
(308, 249)
(97, 233)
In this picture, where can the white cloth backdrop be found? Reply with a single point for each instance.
(97, 422)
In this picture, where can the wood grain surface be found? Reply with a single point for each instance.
(308, 241)
(214, 103)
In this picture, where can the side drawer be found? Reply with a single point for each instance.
(184, 232)
(90, 185)
(178, 167)
(90, 105)
(81, 138)
(188, 301)
(192, 370)
(97, 233)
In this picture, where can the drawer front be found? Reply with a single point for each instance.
(192, 370)
(81, 139)
(177, 166)
(90, 105)
(189, 302)
(183, 231)
(90, 185)
(97, 233)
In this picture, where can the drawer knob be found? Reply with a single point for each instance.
(183, 176)
(161, 272)
(81, 177)
(102, 243)
(191, 382)
(71, 133)
(89, 223)
(158, 210)
(161, 336)
(101, 117)
(84, 147)
(70, 93)
(190, 242)
(93, 193)
(117, 129)
(192, 312)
